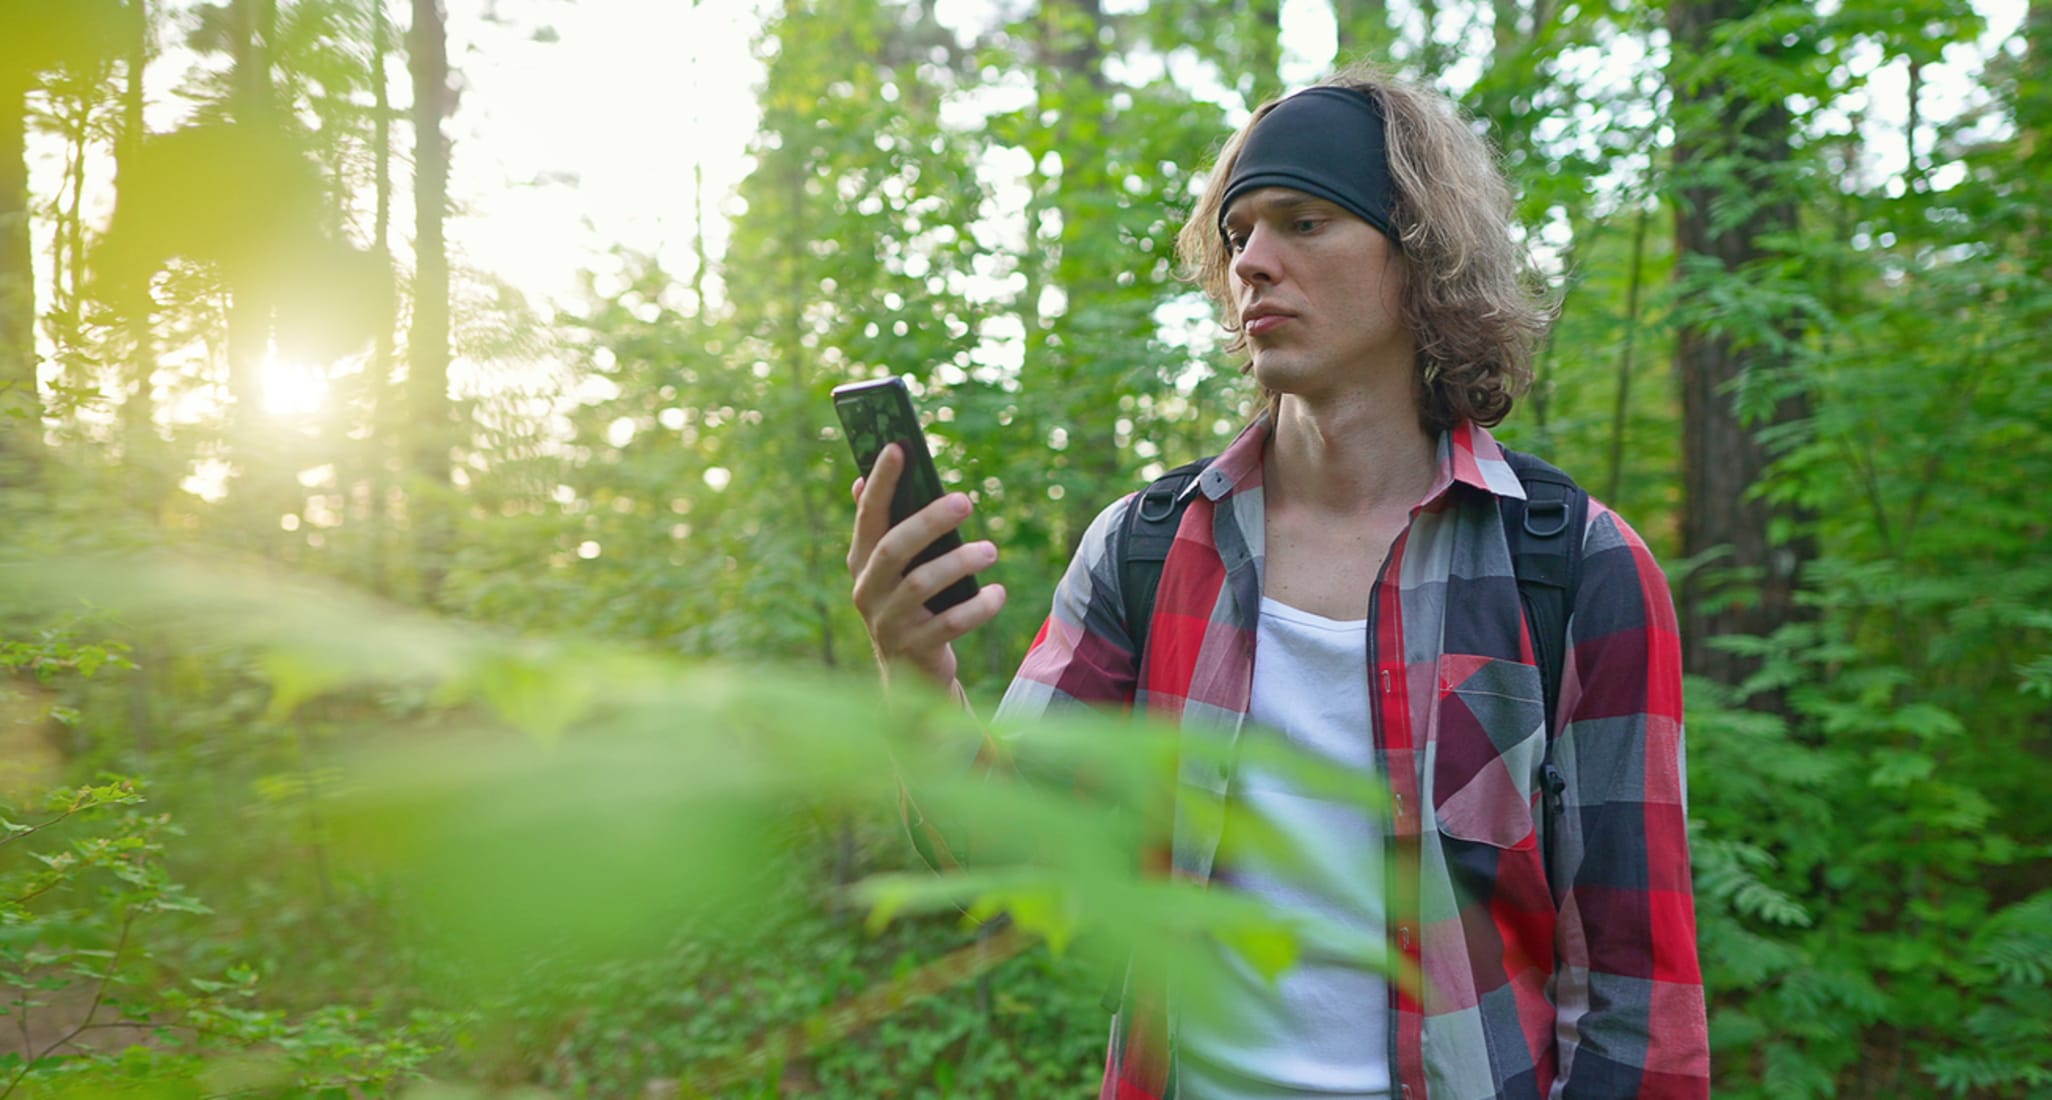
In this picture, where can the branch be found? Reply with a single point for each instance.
(99, 997)
(34, 829)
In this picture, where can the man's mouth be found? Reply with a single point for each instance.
(1261, 322)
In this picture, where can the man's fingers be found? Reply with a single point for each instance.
(891, 599)
(873, 505)
(895, 606)
(957, 620)
(900, 544)
(933, 577)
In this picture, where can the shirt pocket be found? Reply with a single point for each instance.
(1489, 739)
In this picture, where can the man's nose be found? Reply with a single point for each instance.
(1256, 261)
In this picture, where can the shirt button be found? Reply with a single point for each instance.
(1407, 1092)
(1404, 936)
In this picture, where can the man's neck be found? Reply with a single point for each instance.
(1356, 455)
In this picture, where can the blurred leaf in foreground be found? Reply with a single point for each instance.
(573, 799)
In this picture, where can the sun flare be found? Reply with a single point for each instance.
(293, 388)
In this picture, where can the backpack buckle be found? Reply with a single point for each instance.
(1545, 518)
(1156, 506)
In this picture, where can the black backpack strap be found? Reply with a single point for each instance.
(1139, 548)
(1141, 544)
(1545, 533)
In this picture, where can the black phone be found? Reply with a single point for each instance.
(874, 415)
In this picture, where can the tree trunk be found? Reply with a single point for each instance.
(1749, 586)
(1073, 85)
(71, 106)
(797, 296)
(2033, 111)
(1364, 31)
(1265, 62)
(138, 405)
(21, 406)
(383, 354)
(1913, 169)
(427, 378)
(1613, 479)
(249, 314)
(1431, 56)
(700, 255)
(1504, 28)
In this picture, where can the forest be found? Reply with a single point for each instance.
(416, 683)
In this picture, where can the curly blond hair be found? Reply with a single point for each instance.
(1471, 299)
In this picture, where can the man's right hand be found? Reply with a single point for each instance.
(892, 602)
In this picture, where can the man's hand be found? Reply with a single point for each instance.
(892, 602)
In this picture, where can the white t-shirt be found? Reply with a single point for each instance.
(1321, 1030)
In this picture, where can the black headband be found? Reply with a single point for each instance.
(1324, 141)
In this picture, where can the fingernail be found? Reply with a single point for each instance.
(959, 502)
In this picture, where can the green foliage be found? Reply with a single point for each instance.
(528, 845)
(89, 920)
(690, 1013)
(534, 777)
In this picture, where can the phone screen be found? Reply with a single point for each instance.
(874, 415)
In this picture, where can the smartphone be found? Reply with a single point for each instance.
(875, 414)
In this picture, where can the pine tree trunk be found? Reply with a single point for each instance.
(383, 354)
(427, 380)
(1722, 458)
(138, 405)
(21, 407)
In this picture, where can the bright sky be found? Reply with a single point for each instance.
(566, 148)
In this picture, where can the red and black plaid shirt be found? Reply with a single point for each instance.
(1582, 983)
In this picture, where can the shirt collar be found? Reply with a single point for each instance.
(1468, 454)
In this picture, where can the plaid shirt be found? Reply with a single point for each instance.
(1581, 983)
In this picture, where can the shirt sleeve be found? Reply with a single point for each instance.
(1084, 651)
(1628, 987)
(1083, 654)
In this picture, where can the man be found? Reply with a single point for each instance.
(1342, 577)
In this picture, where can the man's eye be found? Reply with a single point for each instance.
(1305, 225)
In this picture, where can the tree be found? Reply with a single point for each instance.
(138, 404)
(41, 35)
(1733, 202)
(427, 370)
(384, 352)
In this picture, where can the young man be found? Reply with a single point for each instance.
(1342, 578)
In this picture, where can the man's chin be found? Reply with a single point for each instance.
(1276, 373)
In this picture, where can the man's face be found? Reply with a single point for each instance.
(1319, 293)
